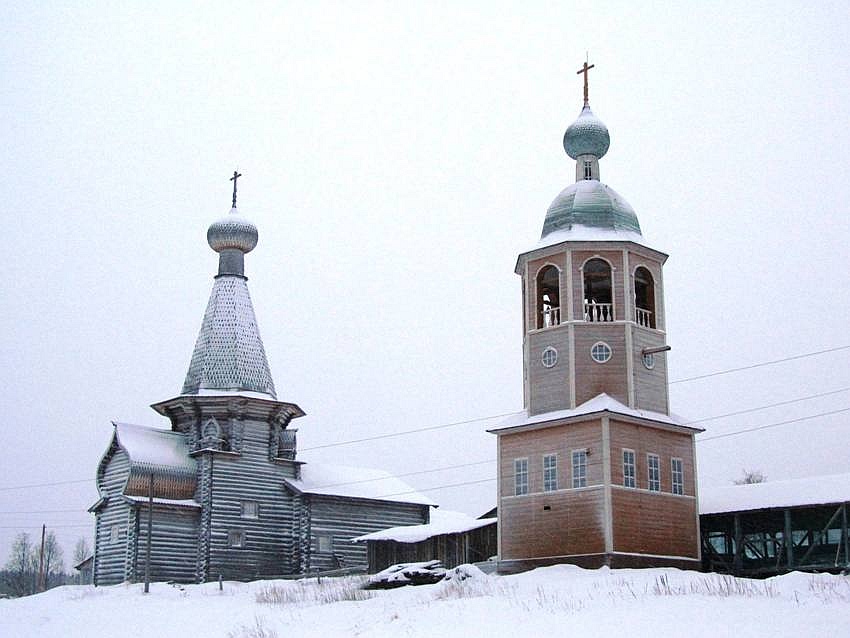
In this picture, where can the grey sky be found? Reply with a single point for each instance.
(396, 161)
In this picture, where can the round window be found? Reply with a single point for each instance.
(649, 361)
(550, 357)
(600, 352)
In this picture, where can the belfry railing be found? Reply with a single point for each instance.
(643, 317)
(598, 312)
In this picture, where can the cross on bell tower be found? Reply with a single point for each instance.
(584, 70)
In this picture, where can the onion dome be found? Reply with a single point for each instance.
(591, 204)
(588, 135)
(232, 232)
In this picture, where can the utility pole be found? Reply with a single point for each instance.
(150, 527)
(40, 582)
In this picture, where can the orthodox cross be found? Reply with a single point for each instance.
(584, 70)
(237, 175)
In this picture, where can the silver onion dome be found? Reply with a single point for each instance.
(588, 135)
(232, 232)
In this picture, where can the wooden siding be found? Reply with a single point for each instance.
(549, 387)
(650, 385)
(559, 440)
(174, 543)
(654, 523)
(573, 524)
(591, 378)
(345, 518)
(269, 547)
(648, 440)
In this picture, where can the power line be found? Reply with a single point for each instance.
(765, 407)
(771, 425)
(38, 526)
(405, 432)
(21, 487)
(760, 365)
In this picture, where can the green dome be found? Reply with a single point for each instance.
(590, 203)
(588, 135)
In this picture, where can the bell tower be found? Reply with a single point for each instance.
(593, 302)
(594, 471)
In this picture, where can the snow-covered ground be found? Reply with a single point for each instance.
(553, 601)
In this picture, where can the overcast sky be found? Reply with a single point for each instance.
(396, 159)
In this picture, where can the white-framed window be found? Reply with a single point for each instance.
(550, 473)
(600, 352)
(114, 533)
(579, 468)
(520, 477)
(629, 468)
(678, 476)
(549, 357)
(588, 170)
(236, 538)
(649, 361)
(250, 509)
(653, 472)
(325, 544)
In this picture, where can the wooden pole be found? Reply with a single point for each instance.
(844, 535)
(39, 585)
(789, 540)
(150, 528)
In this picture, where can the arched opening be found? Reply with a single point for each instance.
(644, 298)
(548, 304)
(598, 300)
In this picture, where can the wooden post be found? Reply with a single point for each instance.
(789, 540)
(39, 584)
(738, 563)
(844, 534)
(150, 529)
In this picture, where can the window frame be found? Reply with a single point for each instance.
(521, 487)
(326, 540)
(552, 360)
(629, 477)
(115, 533)
(236, 538)
(653, 462)
(610, 351)
(579, 470)
(680, 483)
(550, 472)
(246, 506)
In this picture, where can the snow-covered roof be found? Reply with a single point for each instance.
(814, 490)
(153, 446)
(442, 522)
(600, 403)
(355, 482)
(579, 232)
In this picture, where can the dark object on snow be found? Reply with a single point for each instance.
(426, 573)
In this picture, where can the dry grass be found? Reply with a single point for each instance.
(314, 592)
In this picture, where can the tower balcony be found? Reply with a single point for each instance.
(643, 317)
(598, 312)
(550, 317)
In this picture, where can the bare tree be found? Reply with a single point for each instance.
(750, 476)
(82, 550)
(22, 566)
(54, 565)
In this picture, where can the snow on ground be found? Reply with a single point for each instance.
(550, 601)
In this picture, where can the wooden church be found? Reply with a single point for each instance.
(222, 493)
(595, 470)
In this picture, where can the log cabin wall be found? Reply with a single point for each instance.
(250, 477)
(111, 537)
(174, 536)
(339, 519)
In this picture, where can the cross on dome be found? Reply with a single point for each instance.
(584, 70)
(237, 175)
